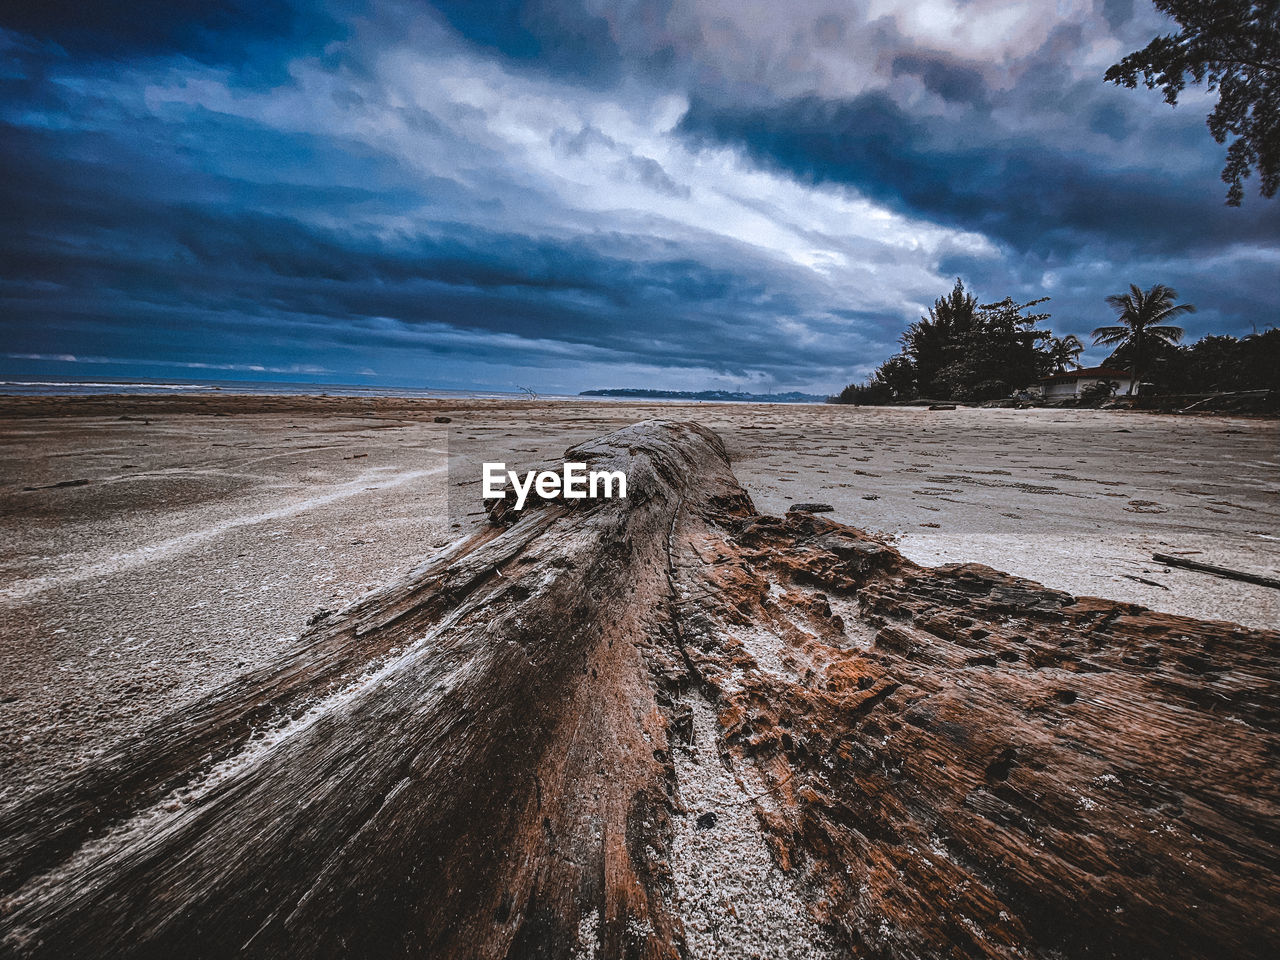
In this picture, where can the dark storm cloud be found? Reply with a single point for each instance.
(955, 82)
(1110, 121)
(127, 247)
(124, 28)
(555, 37)
(1156, 193)
(490, 185)
(1036, 198)
(1117, 12)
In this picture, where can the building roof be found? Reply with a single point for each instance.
(1089, 373)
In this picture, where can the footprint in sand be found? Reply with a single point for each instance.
(1146, 506)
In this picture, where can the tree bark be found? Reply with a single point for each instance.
(637, 727)
(1135, 383)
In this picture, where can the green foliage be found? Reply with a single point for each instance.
(893, 380)
(1143, 326)
(1096, 394)
(870, 394)
(898, 374)
(1000, 353)
(1259, 361)
(932, 343)
(1233, 47)
(966, 351)
(974, 352)
(963, 350)
(1213, 364)
(1064, 353)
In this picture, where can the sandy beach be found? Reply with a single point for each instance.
(151, 549)
(648, 481)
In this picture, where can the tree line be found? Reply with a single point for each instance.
(973, 352)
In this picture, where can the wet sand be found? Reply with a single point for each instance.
(170, 543)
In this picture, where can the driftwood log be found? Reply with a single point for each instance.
(1216, 570)
(667, 726)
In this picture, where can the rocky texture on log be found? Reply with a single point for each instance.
(666, 726)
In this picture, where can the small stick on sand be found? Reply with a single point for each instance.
(1217, 571)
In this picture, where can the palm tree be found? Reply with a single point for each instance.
(1064, 352)
(1142, 316)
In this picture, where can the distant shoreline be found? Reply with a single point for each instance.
(710, 396)
(143, 387)
(140, 406)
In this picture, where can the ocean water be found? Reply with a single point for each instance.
(32, 386)
(41, 387)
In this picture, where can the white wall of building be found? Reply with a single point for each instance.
(1058, 389)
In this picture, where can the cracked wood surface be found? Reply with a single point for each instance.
(515, 752)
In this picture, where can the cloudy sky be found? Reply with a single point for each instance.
(566, 194)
